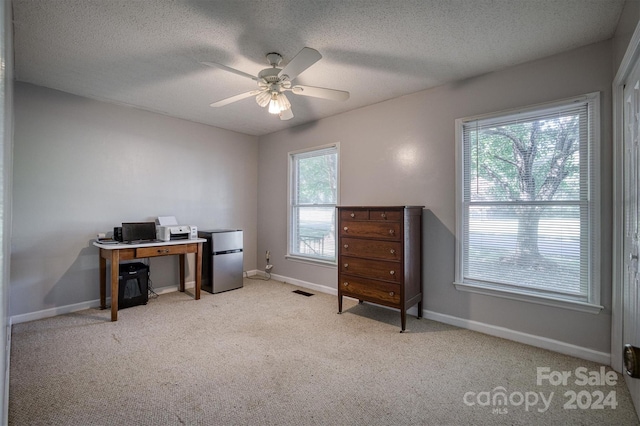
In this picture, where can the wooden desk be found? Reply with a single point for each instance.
(117, 252)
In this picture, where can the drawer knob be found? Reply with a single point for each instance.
(346, 228)
(392, 272)
(391, 293)
(163, 251)
(391, 232)
(346, 283)
(346, 265)
(346, 246)
(392, 251)
(383, 215)
(353, 215)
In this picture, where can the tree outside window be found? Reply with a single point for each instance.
(314, 195)
(527, 207)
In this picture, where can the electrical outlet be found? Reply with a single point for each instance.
(268, 268)
(268, 256)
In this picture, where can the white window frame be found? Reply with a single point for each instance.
(592, 305)
(290, 206)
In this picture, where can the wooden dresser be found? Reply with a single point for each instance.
(379, 256)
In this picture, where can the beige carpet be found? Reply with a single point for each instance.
(263, 355)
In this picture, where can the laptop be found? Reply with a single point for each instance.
(139, 232)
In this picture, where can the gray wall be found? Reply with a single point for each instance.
(402, 152)
(83, 166)
(626, 26)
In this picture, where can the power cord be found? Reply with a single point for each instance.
(152, 294)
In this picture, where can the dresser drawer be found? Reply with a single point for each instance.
(381, 230)
(389, 215)
(354, 214)
(374, 291)
(378, 269)
(162, 250)
(386, 250)
(372, 214)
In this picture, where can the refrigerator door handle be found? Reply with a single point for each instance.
(227, 252)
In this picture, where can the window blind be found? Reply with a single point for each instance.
(314, 195)
(528, 201)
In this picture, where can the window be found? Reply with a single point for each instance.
(528, 204)
(313, 186)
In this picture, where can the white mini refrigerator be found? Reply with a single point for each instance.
(222, 258)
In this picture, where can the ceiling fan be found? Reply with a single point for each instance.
(274, 82)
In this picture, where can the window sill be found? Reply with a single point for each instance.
(316, 262)
(532, 298)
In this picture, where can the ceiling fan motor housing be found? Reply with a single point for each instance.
(270, 75)
(274, 59)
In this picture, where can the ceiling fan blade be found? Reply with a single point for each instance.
(229, 69)
(235, 98)
(287, 114)
(321, 92)
(303, 60)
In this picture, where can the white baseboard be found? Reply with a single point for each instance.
(172, 288)
(59, 310)
(505, 333)
(7, 371)
(306, 284)
(517, 336)
(67, 309)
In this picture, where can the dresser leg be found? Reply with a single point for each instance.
(339, 304)
(403, 320)
(420, 309)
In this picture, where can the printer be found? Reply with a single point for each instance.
(176, 232)
(167, 229)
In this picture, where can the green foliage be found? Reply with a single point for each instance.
(317, 179)
(526, 161)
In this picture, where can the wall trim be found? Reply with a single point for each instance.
(306, 284)
(7, 371)
(492, 330)
(90, 304)
(67, 309)
(518, 336)
(617, 263)
(58, 310)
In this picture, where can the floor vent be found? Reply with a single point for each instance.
(304, 293)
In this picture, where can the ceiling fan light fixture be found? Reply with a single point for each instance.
(274, 107)
(263, 98)
(278, 103)
(283, 102)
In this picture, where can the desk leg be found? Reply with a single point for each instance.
(183, 271)
(103, 281)
(198, 271)
(115, 271)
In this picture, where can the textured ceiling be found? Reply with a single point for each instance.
(147, 53)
